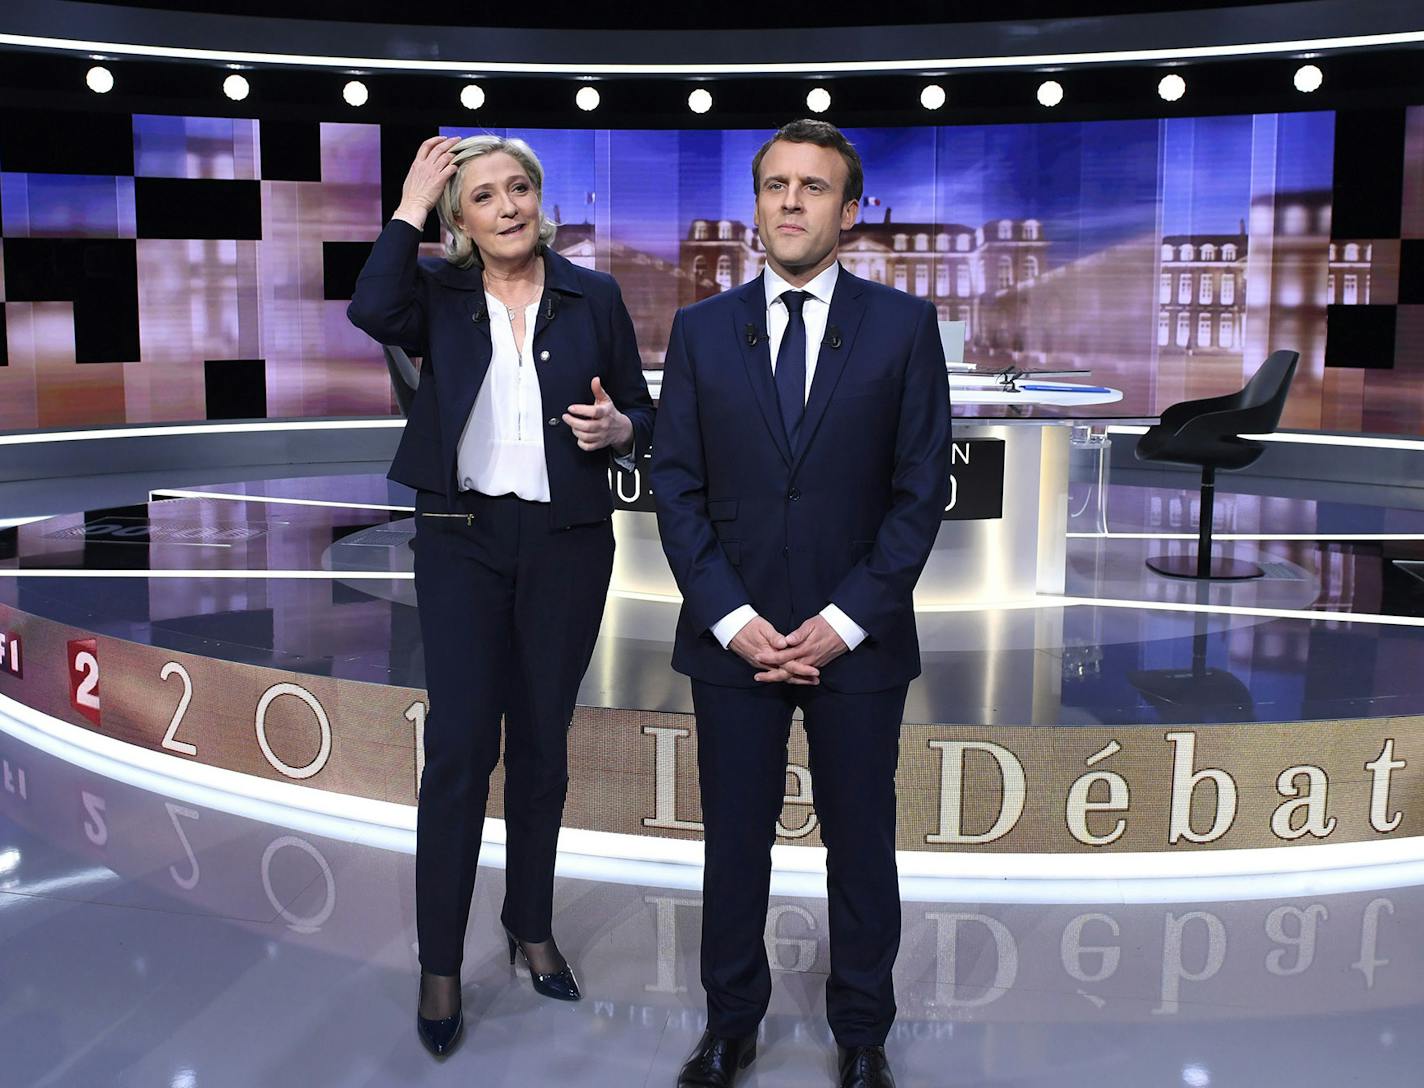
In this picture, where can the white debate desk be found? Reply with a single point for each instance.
(984, 562)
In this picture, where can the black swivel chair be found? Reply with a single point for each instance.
(1207, 434)
(405, 376)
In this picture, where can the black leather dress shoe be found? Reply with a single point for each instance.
(717, 1061)
(440, 1036)
(865, 1067)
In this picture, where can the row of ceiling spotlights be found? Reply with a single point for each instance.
(1171, 87)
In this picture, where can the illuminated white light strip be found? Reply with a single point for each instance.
(593, 67)
(203, 428)
(996, 606)
(925, 876)
(255, 575)
(94, 877)
(1267, 537)
(638, 595)
(1051, 601)
(1300, 438)
(1306, 614)
(179, 493)
(1360, 441)
(24, 439)
(11, 523)
(1044, 601)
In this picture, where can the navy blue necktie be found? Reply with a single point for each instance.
(791, 366)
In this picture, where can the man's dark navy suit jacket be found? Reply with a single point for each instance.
(847, 518)
(437, 311)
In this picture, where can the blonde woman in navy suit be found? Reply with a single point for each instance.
(531, 384)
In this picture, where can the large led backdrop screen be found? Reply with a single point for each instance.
(165, 268)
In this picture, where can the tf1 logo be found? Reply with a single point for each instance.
(11, 659)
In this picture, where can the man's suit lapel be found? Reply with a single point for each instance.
(843, 322)
(750, 314)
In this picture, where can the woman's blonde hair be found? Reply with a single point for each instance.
(459, 249)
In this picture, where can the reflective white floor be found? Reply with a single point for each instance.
(150, 942)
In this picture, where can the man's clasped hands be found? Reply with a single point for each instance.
(796, 658)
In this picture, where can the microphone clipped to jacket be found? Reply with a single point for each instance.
(831, 340)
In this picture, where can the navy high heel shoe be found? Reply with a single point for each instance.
(440, 1036)
(560, 985)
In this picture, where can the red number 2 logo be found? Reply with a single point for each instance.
(84, 677)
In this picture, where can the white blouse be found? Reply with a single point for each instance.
(502, 447)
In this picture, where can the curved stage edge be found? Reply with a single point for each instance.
(1224, 875)
(1035, 801)
(994, 813)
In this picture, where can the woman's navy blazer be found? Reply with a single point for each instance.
(437, 311)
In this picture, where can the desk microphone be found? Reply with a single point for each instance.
(833, 338)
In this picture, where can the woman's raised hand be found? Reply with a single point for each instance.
(426, 178)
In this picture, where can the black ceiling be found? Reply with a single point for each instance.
(419, 102)
(662, 15)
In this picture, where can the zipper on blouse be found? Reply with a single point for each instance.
(519, 399)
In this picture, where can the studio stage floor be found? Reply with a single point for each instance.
(244, 573)
(152, 939)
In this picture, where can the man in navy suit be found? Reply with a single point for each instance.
(801, 470)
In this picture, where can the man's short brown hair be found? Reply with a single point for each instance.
(822, 134)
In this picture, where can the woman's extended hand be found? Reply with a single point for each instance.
(600, 424)
(425, 180)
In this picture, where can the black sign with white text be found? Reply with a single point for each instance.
(976, 482)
